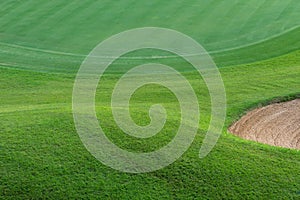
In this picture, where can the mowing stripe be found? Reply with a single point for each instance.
(153, 57)
(20, 108)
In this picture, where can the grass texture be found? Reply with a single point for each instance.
(42, 44)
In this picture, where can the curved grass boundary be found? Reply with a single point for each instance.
(267, 102)
(260, 104)
(58, 62)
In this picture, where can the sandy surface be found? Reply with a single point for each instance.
(276, 124)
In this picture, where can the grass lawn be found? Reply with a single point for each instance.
(256, 44)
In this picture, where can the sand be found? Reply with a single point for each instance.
(277, 124)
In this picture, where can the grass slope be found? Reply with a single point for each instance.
(41, 156)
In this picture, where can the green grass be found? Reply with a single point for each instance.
(41, 155)
(229, 29)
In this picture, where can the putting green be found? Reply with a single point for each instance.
(56, 36)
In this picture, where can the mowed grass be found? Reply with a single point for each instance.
(42, 155)
(77, 25)
(255, 44)
(55, 36)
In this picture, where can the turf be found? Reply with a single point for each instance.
(255, 44)
(30, 29)
(42, 156)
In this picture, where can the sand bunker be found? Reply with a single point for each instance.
(276, 124)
